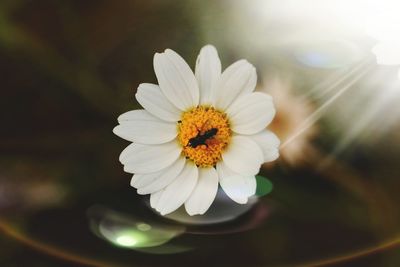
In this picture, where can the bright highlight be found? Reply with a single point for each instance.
(126, 241)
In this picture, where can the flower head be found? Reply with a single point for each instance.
(292, 111)
(197, 131)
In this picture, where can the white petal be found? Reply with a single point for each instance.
(268, 143)
(141, 127)
(164, 178)
(139, 158)
(176, 80)
(204, 193)
(273, 155)
(208, 71)
(179, 190)
(239, 78)
(251, 185)
(236, 186)
(154, 198)
(139, 180)
(154, 101)
(251, 113)
(243, 156)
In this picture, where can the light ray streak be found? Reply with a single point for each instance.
(355, 71)
(363, 122)
(317, 114)
(319, 88)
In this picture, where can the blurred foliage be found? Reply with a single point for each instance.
(264, 186)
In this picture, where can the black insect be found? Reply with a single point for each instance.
(201, 139)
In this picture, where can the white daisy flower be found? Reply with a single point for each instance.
(197, 131)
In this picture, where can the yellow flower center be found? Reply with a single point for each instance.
(203, 133)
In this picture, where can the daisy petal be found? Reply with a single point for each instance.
(139, 158)
(273, 155)
(140, 180)
(239, 78)
(179, 190)
(154, 101)
(236, 186)
(154, 198)
(164, 178)
(251, 185)
(243, 156)
(204, 193)
(208, 71)
(141, 127)
(268, 143)
(251, 113)
(176, 79)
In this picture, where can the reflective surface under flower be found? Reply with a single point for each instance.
(197, 131)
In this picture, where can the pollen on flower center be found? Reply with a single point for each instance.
(204, 133)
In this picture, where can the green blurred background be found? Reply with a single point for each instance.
(69, 68)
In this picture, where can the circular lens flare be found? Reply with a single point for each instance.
(128, 232)
(126, 241)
